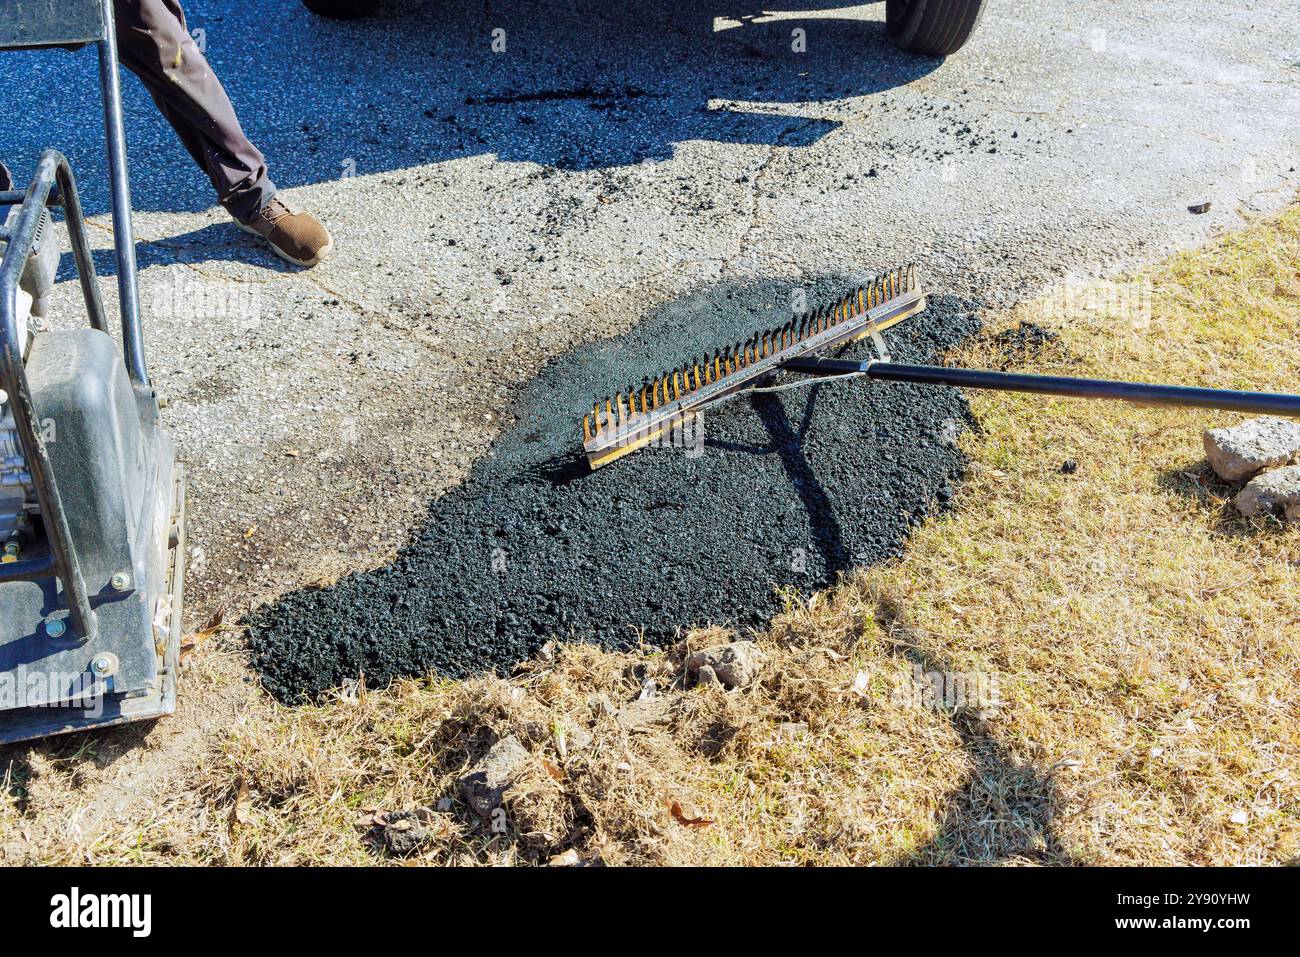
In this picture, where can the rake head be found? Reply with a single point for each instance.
(635, 418)
(629, 421)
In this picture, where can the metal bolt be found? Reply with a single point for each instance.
(104, 664)
(55, 627)
(120, 581)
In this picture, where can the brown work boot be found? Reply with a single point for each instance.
(294, 234)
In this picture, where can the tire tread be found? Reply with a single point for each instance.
(938, 27)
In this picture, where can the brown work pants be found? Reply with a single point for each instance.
(154, 42)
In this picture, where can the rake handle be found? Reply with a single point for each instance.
(1230, 399)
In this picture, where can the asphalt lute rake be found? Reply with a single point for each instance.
(798, 354)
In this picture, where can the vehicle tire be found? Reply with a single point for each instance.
(341, 9)
(932, 27)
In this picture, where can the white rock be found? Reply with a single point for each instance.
(1240, 451)
(707, 677)
(735, 665)
(571, 736)
(1273, 493)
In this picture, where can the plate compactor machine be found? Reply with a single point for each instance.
(92, 500)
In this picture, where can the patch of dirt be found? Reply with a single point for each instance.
(1019, 344)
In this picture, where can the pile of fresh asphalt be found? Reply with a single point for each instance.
(788, 490)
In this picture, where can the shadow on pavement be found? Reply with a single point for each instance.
(584, 85)
(216, 242)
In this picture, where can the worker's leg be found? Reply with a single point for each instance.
(154, 42)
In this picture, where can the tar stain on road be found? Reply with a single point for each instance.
(788, 490)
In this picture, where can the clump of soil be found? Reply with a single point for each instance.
(1012, 347)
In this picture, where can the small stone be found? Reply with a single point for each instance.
(1240, 451)
(707, 677)
(1273, 493)
(736, 664)
(569, 858)
(486, 783)
(1199, 208)
(574, 736)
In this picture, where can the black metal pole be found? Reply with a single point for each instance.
(1274, 403)
(81, 252)
(128, 290)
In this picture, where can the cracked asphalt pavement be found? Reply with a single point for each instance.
(494, 210)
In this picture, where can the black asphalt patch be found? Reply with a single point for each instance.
(787, 491)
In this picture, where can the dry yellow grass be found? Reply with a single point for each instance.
(1144, 644)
